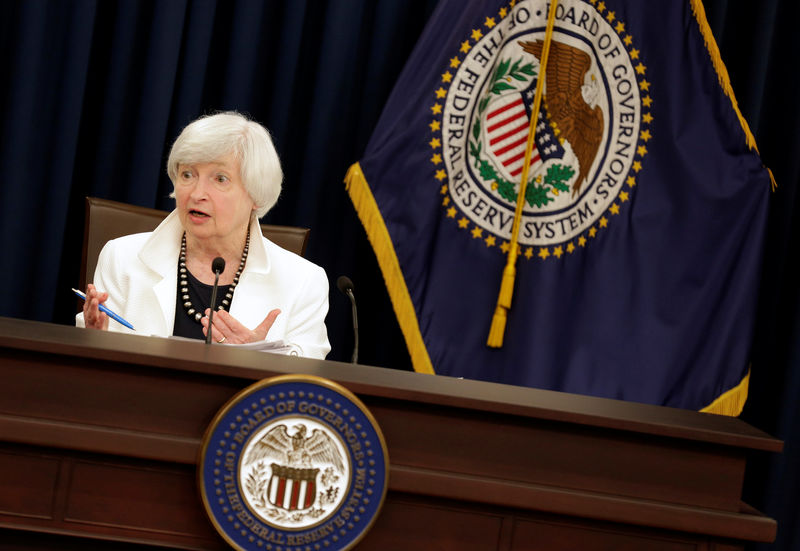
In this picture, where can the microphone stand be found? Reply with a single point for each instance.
(218, 265)
(349, 293)
(346, 287)
(211, 308)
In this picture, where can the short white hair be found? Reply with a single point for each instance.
(211, 137)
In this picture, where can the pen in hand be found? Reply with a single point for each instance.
(111, 314)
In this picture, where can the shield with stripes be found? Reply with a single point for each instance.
(292, 489)
(507, 124)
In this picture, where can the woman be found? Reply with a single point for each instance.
(226, 175)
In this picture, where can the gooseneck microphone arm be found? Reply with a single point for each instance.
(217, 266)
(346, 287)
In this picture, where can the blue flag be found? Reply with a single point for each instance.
(641, 222)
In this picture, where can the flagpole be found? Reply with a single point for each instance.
(498, 328)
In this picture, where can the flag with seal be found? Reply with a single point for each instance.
(565, 195)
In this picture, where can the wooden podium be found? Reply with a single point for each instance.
(100, 432)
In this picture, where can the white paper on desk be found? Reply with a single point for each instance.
(275, 347)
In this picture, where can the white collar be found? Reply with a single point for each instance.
(160, 251)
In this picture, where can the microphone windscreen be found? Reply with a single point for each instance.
(218, 265)
(344, 284)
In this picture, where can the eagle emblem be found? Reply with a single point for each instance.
(293, 483)
(291, 462)
(569, 100)
(297, 450)
(580, 151)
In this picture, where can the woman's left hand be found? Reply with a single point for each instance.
(228, 330)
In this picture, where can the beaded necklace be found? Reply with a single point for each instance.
(184, 281)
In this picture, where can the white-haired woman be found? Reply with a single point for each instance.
(226, 174)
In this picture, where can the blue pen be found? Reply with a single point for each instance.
(111, 314)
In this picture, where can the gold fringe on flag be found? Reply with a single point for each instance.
(731, 402)
(724, 79)
(370, 216)
(498, 328)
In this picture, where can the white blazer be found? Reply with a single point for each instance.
(140, 274)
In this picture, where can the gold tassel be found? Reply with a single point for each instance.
(731, 402)
(507, 286)
(378, 235)
(498, 327)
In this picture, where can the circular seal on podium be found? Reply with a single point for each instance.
(293, 463)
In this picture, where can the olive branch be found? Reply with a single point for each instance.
(502, 76)
(555, 181)
(254, 484)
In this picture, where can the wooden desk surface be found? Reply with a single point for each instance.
(91, 408)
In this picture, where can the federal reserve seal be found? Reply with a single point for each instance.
(293, 463)
(590, 134)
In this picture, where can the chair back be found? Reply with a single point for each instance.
(106, 220)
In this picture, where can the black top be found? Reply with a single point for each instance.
(200, 296)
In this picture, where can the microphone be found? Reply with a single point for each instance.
(346, 287)
(217, 266)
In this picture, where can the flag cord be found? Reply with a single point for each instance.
(498, 328)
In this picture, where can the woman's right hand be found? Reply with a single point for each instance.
(92, 316)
